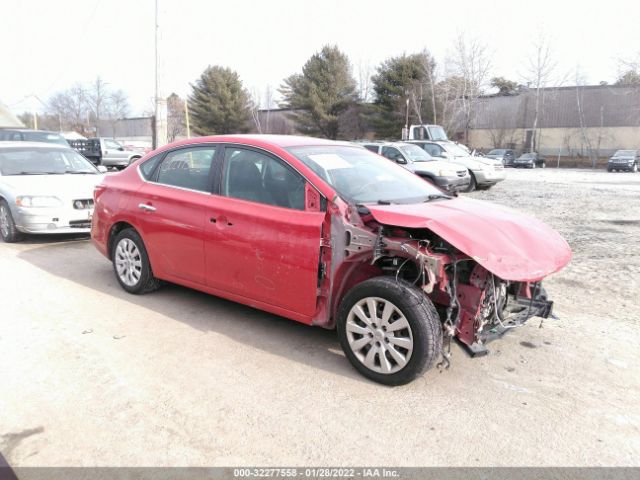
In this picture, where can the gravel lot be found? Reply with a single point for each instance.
(94, 376)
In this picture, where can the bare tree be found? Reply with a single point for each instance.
(539, 74)
(469, 62)
(97, 96)
(365, 87)
(70, 107)
(176, 126)
(256, 97)
(580, 82)
(117, 107)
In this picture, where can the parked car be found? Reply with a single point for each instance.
(530, 160)
(106, 151)
(624, 160)
(332, 235)
(448, 176)
(504, 155)
(44, 189)
(25, 135)
(485, 172)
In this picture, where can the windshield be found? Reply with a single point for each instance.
(625, 153)
(527, 156)
(43, 161)
(437, 133)
(360, 176)
(47, 137)
(455, 150)
(415, 153)
(497, 152)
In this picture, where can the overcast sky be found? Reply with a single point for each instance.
(50, 44)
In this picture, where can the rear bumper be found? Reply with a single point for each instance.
(486, 177)
(118, 162)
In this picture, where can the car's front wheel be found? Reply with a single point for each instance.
(131, 263)
(8, 230)
(389, 330)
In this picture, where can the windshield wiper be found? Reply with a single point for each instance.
(76, 172)
(437, 196)
(383, 202)
(38, 173)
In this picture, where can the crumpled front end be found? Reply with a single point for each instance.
(477, 293)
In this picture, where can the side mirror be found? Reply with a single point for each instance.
(121, 149)
(401, 160)
(102, 169)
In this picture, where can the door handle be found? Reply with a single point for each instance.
(148, 208)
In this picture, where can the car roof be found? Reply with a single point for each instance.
(27, 130)
(4, 145)
(259, 140)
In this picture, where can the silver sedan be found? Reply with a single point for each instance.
(44, 188)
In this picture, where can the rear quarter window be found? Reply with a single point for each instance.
(147, 168)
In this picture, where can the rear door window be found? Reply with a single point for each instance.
(188, 168)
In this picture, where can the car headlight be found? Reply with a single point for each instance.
(37, 201)
(447, 173)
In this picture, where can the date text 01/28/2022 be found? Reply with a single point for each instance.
(326, 472)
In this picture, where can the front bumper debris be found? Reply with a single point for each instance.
(517, 314)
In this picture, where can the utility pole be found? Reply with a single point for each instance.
(186, 116)
(405, 130)
(161, 101)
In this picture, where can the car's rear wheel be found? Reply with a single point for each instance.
(131, 263)
(635, 168)
(389, 330)
(8, 230)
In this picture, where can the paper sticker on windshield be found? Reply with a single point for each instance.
(330, 161)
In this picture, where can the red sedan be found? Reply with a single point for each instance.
(328, 234)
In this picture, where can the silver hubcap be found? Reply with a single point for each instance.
(4, 221)
(128, 262)
(379, 335)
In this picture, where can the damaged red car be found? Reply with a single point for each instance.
(328, 234)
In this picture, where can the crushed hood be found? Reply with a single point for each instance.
(508, 243)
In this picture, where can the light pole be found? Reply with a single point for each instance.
(161, 101)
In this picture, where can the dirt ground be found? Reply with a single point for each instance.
(92, 376)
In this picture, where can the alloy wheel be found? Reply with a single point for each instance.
(379, 335)
(128, 262)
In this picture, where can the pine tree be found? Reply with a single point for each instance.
(219, 103)
(321, 93)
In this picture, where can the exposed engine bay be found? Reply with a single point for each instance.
(474, 305)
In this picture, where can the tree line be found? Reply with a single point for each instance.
(325, 99)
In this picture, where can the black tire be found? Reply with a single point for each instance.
(146, 282)
(9, 234)
(421, 315)
(609, 170)
(472, 184)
